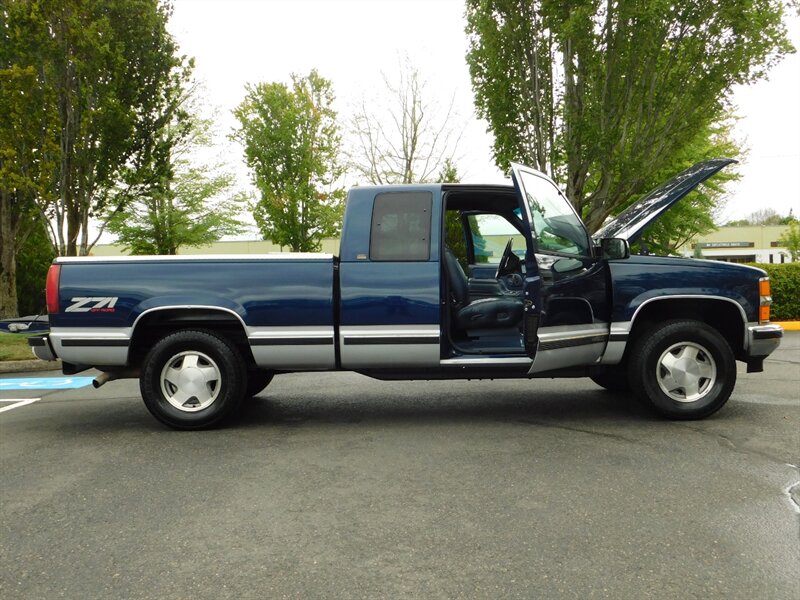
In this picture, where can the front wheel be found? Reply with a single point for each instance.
(192, 379)
(684, 369)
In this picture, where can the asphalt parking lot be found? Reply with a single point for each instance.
(338, 486)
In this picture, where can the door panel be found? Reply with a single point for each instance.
(389, 314)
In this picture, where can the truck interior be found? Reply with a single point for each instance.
(483, 270)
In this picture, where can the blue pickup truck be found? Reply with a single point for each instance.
(433, 281)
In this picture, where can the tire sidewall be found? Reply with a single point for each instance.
(233, 378)
(643, 374)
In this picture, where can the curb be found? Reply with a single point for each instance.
(788, 325)
(27, 366)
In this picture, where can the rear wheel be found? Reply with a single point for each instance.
(192, 379)
(684, 369)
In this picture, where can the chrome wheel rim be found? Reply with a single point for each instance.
(190, 381)
(686, 372)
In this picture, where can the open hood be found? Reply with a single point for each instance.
(630, 223)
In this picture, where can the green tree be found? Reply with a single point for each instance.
(454, 231)
(26, 168)
(192, 205)
(790, 239)
(605, 96)
(696, 214)
(291, 142)
(182, 213)
(28, 145)
(110, 74)
(33, 260)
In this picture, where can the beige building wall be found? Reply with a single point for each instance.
(749, 243)
(330, 246)
(737, 244)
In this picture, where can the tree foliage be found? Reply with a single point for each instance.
(33, 260)
(697, 213)
(407, 139)
(790, 239)
(606, 96)
(28, 148)
(291, 142)
(26, 167)
(763, 216)
(110, 80)
(192, 205)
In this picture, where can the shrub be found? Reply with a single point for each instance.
(785, 284)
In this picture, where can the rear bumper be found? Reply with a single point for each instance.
(42, 348)
(762, 340)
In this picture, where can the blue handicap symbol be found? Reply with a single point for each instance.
(45, 383)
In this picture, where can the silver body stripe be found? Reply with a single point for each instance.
(291, 348)
(616, 344)
(582, 345)
(101, 355)
(361, 346)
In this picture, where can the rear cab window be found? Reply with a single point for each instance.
(401, 227)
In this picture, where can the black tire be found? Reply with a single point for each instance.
(193, 379)
(683, 369)
(257, 380)
(613, 379)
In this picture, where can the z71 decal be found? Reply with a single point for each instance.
(82, 304)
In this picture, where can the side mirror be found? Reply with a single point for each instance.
(614, 248)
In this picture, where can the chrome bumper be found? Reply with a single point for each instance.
(42, 349)
(762, 340)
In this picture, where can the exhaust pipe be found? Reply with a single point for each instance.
(107, 376)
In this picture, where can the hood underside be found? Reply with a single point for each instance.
(633, 220)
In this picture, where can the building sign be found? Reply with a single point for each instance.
(725, 245)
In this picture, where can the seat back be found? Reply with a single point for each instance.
(456, 278)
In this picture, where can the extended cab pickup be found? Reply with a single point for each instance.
(433, 281)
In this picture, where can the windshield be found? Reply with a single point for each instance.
(557, 227)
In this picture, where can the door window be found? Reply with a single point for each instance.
(490, 234)
(557, 227)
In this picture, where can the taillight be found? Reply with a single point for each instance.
(51, 291)
(765, 300)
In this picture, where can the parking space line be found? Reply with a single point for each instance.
(17, 403)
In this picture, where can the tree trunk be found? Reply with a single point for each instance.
(8, 259)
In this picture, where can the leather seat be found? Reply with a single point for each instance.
(484, 313)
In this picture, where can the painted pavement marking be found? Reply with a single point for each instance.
(17, 403)
(45, 383)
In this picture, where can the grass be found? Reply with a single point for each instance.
(14, 346)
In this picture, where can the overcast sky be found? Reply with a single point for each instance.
(235, 42)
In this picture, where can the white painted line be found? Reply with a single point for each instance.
(17, 403)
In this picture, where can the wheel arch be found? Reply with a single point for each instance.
(155, 323)
(723, 314)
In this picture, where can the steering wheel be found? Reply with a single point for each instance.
(502, 266)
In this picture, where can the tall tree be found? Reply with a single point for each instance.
(28, 144)
(192, 205)
(407, 138)
(112, 77)
(604, 95)
(291, 142)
